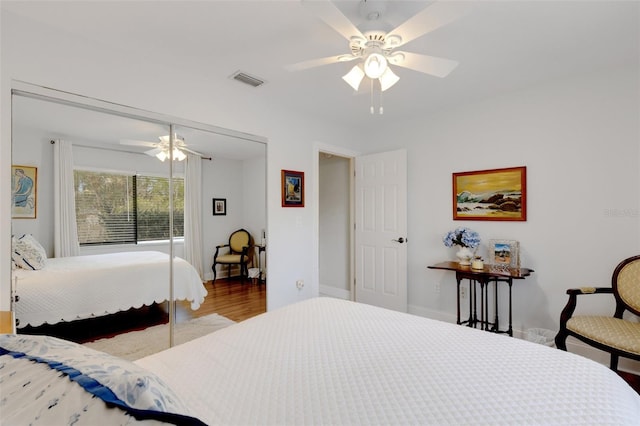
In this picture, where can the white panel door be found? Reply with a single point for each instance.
(381, 230)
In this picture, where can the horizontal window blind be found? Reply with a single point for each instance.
(121, 209)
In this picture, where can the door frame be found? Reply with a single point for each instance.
(319, 148)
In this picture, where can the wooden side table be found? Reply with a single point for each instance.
(490, 273)
(7, 325)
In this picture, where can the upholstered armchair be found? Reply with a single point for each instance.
(238, 251)
(616, 335)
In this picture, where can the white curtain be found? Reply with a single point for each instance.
(65, 228)
(193, 212)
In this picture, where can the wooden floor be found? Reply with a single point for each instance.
(229, 298)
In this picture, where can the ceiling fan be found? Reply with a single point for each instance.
(161, 148)
(376, 49)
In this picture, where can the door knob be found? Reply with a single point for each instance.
(400, 240)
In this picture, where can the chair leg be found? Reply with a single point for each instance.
(229, 271)
(214, 274)
(561, 340)
(614, 362)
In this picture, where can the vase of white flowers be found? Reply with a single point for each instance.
(466, 239)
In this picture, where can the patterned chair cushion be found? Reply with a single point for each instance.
(620, 334)
(230, 258)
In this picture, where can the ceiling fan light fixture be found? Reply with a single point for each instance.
(162, 155)
(388, 79)
(375, 65)
(178, 154)
(354, 77)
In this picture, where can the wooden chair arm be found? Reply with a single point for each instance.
(573, 293)
(215, 256)
(589, 290)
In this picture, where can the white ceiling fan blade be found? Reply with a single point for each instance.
(333, 17)
(318, 62)
(429, 19)
(137, 143)
(153, 152)
(432, 65)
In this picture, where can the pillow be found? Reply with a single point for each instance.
(139, 389)
(27, 253)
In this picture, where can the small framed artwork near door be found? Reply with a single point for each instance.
(24, 181)
(292, 188)
(219, 206)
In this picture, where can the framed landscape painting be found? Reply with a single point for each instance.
(496, 194)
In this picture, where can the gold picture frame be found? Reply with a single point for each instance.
(495, 194)
(24, 190)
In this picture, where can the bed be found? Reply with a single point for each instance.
(78, 287)
(334, 362)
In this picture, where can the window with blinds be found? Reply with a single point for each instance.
(126, 209)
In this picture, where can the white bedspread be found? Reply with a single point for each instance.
(70, 288)
(328, 361)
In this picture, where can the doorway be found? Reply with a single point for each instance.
(335, 225)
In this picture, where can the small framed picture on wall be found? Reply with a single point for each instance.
(292, 188)
(219, 206)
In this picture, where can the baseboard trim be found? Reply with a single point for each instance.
(338, 293)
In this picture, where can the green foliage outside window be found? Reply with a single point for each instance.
(119, 209)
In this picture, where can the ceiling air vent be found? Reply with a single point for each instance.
(245, 78)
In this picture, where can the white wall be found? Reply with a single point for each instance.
(580, 141)
(35, 53)
(333, 235)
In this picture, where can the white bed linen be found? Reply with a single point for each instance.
(70, 288)
(329, 361)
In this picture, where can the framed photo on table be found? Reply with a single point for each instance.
(219, 206)
(292, 187)
(504, 253)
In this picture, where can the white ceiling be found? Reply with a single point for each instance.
(501, 46)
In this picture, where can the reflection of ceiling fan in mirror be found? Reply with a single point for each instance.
(376, 49)
(161, 149)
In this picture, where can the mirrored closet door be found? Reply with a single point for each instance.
(127, 245)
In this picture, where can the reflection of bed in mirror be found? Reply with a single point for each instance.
(79, 287)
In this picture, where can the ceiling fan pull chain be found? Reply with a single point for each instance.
(371, 109)
(381, 110)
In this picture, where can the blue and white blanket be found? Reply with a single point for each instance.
(46, 380)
